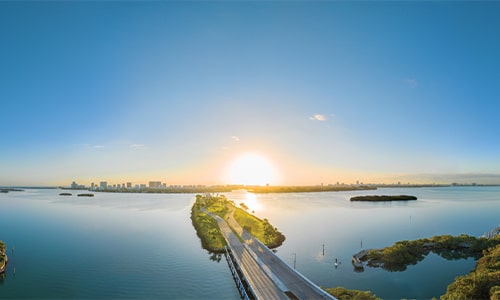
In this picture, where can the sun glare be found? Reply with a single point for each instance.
(251, 169)
(251, 202)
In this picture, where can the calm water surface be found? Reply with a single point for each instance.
(144, 245)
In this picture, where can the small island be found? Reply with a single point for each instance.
(208, 230)
(3, 257)
(85, 195)
(383, 198)
(65, 194)
(6, 190)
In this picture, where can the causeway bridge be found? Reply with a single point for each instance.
(258, 272)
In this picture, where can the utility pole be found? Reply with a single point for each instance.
(294, 259)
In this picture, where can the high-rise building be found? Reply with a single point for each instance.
(103, 185)
(154, 184)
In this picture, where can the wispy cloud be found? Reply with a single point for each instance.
(411, 82)
(138, 146)
(318, 117)
(234, 139)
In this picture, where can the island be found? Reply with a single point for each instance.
(481, 283)
(65, 194)
(6, 190)
(209, 233)
(404, 253)
(85, 195)
(3, 257)
(383, 198)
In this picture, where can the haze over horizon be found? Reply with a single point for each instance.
(285, 93)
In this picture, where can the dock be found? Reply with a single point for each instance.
(356, 259)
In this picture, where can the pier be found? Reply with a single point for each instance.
(356, 259)
(260, 272)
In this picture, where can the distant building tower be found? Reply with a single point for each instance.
(154, 184)
(129, 185)
(103, 185)
(74, 185)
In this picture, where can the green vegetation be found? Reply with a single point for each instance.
(208, 230)
(3, 256)
(206, 227)
(403, 253)
(482, 283)
(261, 229)
(307, 189)
(379, 198)
(244, 206)
(342, 293)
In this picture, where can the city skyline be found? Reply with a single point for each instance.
(285, 93)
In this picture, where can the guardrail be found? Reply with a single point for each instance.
(236, 276)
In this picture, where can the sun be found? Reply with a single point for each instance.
(251, 169)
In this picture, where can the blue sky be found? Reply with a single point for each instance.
(175, 91)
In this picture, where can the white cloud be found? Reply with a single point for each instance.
(235, 138)
(318, 117)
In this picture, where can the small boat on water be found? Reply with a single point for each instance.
(336, 263)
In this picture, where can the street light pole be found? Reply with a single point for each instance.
(294, 259)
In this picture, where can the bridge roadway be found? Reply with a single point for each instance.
(268, 276)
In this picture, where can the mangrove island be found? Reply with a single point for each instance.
(382, 198)
(481, 283)
(3, 257)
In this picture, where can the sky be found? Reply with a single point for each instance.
(319, 92)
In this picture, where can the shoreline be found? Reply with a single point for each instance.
(231, 188)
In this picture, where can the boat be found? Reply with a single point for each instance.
(336, 263)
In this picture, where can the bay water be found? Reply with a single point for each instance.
(119, 245)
